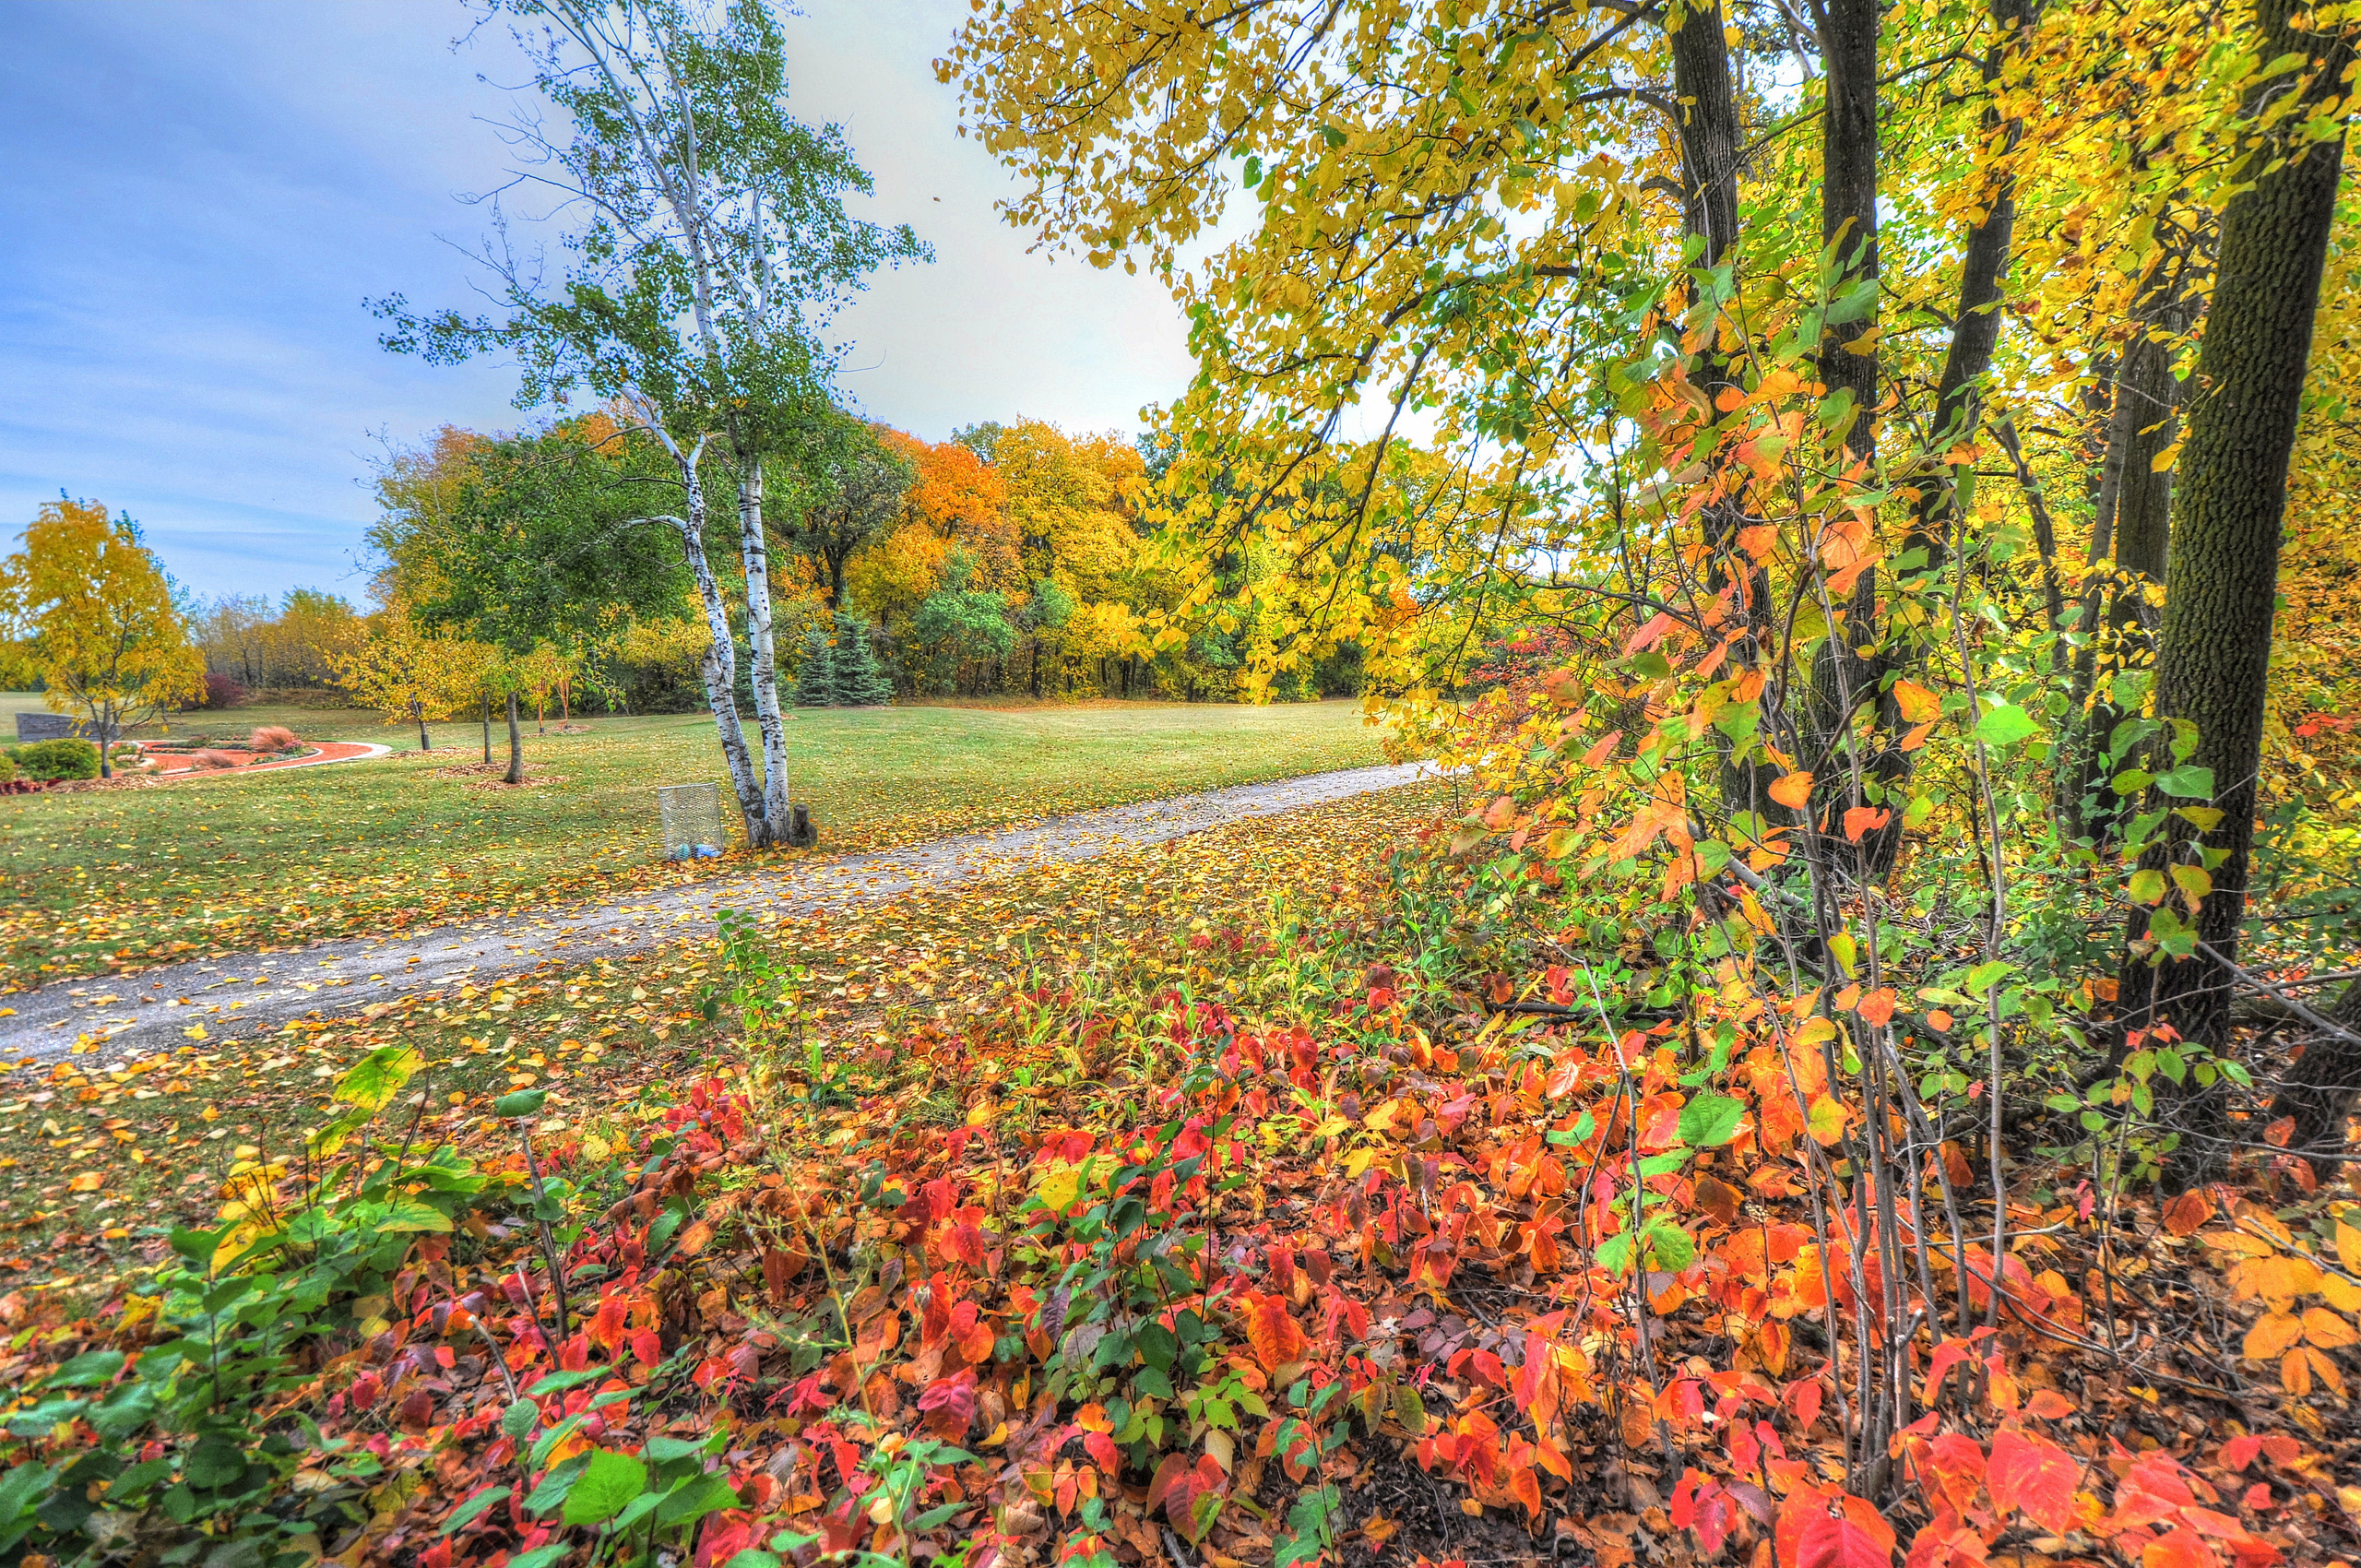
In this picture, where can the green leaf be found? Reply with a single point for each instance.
(468, 1512)
(611, 1480)
(1583, 1129)
(518, 1420)
(93, 1369)
(523, 1102)
(2187, 781)
(1983, 977)
(550, 1494)
(1673, 1247)
(1614, 1255)
(2005, 726)
(559, 1382)
(2131, 781)
(378, 1077)
(542, 1556)
(2147, 885)
(407, 1215)
(1710, 1120)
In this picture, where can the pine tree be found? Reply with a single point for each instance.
(855, 680)
(816, 682)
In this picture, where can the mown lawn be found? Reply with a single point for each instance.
(122, 878)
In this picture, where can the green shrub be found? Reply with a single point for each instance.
(65, 758)
(7, 768)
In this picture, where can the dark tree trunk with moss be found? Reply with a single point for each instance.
(2214, 659)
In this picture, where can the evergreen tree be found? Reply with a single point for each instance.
(856, 678)
(816, 682)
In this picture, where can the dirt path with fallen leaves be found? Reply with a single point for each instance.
(239, 995)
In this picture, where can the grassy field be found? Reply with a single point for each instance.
(96, 1163)
(121, 877)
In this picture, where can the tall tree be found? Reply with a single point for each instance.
(718, 247)
(844, 489)
(2215, 653)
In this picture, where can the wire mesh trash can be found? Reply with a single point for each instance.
(692, 829)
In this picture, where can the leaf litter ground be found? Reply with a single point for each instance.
(1152, 1209)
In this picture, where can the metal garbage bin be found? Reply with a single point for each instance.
(693, 827)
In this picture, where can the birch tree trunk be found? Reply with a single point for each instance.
(718, 664)
(755, 554)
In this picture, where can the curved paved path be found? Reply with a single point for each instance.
(246, 994)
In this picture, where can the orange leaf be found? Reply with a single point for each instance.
(1864, 819)
(1918, 705)
(1792, 790)
(2326, 1330)
(2272, 1334)
(1272, 1332)
(1916, 736)
(1759, 540)
(1877, 1007)
(2190, 1210)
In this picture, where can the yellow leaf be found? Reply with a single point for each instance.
(88, 1181)
(194, 1031)
(2348, 1244)
(2272, 1333)
(2342, 1294)
(1792, 790)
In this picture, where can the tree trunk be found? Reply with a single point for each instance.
(1843, 674)
(753, 553)
(2319, 1093)
(487, 731)
(2138, 501)
(1976, 331)
(418, 711)
(2215, 656)
(717, 666)
(515, 744)
(1709, 130)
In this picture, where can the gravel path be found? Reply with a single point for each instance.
(243, 995)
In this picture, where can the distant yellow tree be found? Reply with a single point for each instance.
(406, 671)
(89, 613)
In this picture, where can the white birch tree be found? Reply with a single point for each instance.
(714, 249)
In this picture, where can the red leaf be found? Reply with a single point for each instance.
(2028, 1471)
(1830, 1542)
(2183, 1547)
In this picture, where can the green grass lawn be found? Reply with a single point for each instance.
(125, 876)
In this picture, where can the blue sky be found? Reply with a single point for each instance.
(199, 198)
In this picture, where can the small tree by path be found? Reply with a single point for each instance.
(86, 609)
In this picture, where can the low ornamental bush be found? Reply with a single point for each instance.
(67, 757)
(222, 690)
(212, 759)
(273, 738)
(7, 768)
